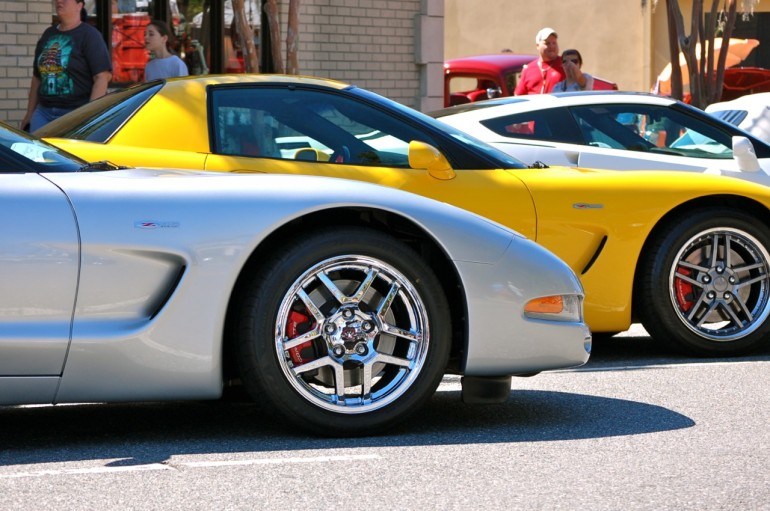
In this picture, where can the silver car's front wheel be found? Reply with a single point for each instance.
(705, 283)
(345, 333)
(352, 334)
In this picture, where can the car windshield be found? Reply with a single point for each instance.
(504, 160)
(28, 154)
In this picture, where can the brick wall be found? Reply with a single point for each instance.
(393, 47)
(21, 24)
(369, 43)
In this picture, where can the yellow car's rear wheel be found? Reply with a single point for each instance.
(705, 284)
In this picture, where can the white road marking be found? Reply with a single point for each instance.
(279, 461)
(190, 464)
(672, 365)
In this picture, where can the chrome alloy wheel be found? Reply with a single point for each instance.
(361, 338)
(720, 284)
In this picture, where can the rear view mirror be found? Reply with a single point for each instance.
(743, 152)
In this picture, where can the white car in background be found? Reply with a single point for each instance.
(612, 130)
(750, 113)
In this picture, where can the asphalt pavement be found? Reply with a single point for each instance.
(636, 428)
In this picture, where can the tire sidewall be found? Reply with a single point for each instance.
(263, 375)
(660, 317)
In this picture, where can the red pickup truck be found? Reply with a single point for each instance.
(469, 79)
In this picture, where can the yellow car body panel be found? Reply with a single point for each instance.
(596, 221)
(577, 209)
(131, 156)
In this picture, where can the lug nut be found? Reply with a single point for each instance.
(367, 326)
(330, 328)
(347, 314)
(361, 348)
(338, 350)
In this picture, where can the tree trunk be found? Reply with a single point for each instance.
(706, 73)
(689, 47)
(716, 94)
(292, 36)
(245, 36)
(675, 27)
(271, 8)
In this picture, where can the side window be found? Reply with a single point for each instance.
(651, 128)
(552, 124)
(512, 79)
(243, 131)
(306, 124)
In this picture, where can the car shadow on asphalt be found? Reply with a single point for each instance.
(145, 433)
(637, 349)
(142, 433)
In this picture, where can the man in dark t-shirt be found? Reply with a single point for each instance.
(71, 67)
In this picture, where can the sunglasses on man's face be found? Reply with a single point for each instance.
(574, 61)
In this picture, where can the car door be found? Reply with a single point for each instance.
(38, 273)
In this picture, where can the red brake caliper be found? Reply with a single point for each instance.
(297, 325)
(684, 294)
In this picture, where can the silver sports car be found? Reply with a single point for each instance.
(339, 304)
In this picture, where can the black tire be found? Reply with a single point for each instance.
(303, 343)
(704, 305)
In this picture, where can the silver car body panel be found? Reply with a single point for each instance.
(160, 252)
(38, 273)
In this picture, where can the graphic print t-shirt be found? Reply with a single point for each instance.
(66, 62)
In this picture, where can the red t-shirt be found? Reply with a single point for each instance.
(533, 75)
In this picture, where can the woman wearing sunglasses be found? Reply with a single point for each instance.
(576, 80)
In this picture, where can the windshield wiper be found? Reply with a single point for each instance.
(100, 165)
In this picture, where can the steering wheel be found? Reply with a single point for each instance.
(341, 155)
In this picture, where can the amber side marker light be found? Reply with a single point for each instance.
(545, 305)
(555, 308)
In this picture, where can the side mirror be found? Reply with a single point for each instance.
(494, 92)
(425, 156)
(743, 152)
(310, 154)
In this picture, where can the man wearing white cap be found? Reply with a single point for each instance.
(540, 76)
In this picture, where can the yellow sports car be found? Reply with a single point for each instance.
(686, 254)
